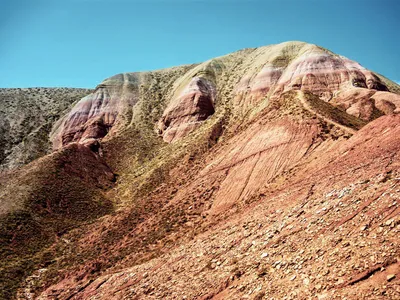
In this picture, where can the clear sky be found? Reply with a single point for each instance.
(78, 43)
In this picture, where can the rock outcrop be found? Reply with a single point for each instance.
(186, 113)
(262, 73)
(256, 156)
(94, 115)
(367, 104)
(289, 197)
(299, 66)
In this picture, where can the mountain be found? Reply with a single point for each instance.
(268, 173)
(26, 119)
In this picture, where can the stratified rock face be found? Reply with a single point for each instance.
(285, 187)
(246, 77)
(257, 155)
(319, 72)
(367, 104)
(93, 116)
(186, 112)
(259, 86)
(299, 66)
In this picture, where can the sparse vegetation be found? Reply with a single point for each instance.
(26, 119)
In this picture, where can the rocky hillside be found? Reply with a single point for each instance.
(26, 119)
(268, 173)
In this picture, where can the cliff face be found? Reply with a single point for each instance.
(94, 115)
(268, 172)
(186, 112)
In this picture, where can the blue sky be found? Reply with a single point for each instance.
(78, 43)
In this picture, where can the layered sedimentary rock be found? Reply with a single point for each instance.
(299, 186)
(248, 77)
(93, 116)
(300, 66)
(257, 155)
(192, 101)
(186, 113)
(367, 104)
(320, 72)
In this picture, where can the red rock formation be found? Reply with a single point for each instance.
(264, 73)
(259, 86)
(280, 184)
(318, 71)
(322, 73)
(94, 115)
(367, 104)
(91, 118)
(257, 155)
(310, 218)
(186, 112)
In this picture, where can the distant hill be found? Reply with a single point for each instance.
(26, 118)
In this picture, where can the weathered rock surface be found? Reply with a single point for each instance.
(261, 73)
(367, 104)
(257, 155)
(307, 220)
(94, 115)
(300, 66)
(186, 113)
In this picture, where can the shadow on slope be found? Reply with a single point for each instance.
(42, 201)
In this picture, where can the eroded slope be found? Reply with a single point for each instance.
(250, 172)
(322, 226)
(42, 201)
